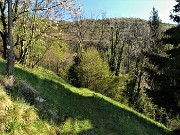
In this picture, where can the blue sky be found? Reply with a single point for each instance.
(129, 8)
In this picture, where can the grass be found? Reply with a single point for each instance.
(81, 111)
(18, 118)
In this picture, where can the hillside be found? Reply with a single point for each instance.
(19, 118)
(98, 32)
(81, 111)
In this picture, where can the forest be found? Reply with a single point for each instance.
(133, 61)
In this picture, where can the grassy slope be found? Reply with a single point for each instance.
(88, 112)
(18, 118)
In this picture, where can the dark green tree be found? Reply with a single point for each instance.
(155, 30)
(164, 70)
(175, 16)
(173, 38)
(173, 67)
(116, 50)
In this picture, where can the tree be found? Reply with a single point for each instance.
(172, 70)
(34, 9)
(155, 30)
(89, 70)
(80, 28)
(116, 50)
(176, 17)
(87, 32)
(163, 70)
(92, 72)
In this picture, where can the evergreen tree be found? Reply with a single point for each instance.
(116, 51)
(175, 16)
(155, 30)
(173, 69)
(164, 70)
(156, 60)
(173, 38)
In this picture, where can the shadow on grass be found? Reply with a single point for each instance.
(90, 115)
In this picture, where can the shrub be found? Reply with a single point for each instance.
(88, 70)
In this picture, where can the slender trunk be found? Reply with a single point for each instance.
(139, 82)
(128, 60)
(10, 63)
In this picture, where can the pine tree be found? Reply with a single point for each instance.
(155, 30)
(173, 69)
(175, 16)
(164, 70)
(173, 38)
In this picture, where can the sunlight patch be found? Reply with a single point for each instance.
(76, 126)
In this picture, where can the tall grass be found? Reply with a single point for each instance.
(18, 118)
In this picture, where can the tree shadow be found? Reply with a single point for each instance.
(103, 116)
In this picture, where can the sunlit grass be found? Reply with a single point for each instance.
(18, 118)
(76, 126)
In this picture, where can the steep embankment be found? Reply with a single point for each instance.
(81, 111)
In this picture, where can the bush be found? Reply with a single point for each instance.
(89, 69)
(114, 87)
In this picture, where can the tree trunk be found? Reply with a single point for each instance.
(10, 63)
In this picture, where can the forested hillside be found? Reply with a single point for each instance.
(132, 61)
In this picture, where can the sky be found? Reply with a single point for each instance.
(129, 8)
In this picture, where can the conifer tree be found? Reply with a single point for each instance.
(155, 30)
(164, 70)
(175, 16)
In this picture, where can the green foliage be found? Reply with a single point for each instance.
(73, 74)
(154, 22)
(34, 39)
(155, 31)
(116, 51)
(114, 87)
(164, 72)
(145, 105)
(58, 58)
(90, 69)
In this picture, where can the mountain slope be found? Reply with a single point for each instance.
(81, 111)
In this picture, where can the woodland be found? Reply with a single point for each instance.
(133, 61)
